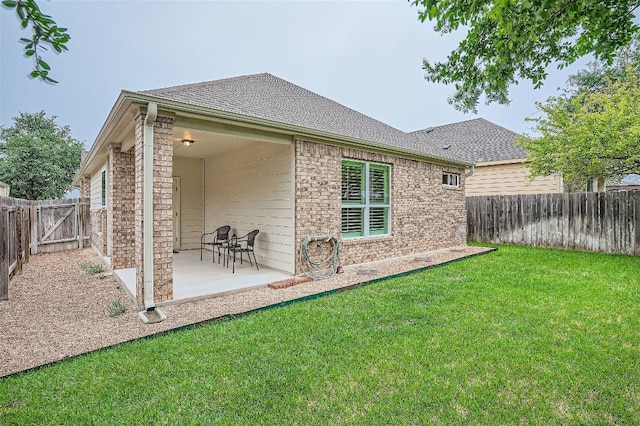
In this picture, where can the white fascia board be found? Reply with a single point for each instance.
(99, 144)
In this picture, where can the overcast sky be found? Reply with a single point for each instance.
(366, 55)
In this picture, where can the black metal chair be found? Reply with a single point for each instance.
(242, 245)
(216, 239)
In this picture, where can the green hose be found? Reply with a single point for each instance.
(322, 267)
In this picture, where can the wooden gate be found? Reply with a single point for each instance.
(31, 227)
(60, 226)
(57, 224)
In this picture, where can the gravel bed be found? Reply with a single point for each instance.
(57, 310)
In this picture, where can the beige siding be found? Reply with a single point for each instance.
(253, 189)
(509, 179)
(96, 188)
(191, 206)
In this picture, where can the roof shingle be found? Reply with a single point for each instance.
(475, 141)
(268, 97)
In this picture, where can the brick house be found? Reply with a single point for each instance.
(500, 165)
(258, 152)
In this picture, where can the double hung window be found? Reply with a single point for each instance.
(365, 199)
(450, 179)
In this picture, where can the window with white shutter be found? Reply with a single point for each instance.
(365, 199)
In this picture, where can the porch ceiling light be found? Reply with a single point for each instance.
(187, 142)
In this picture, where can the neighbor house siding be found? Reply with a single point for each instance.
(425, 215)
(253, 189)
(189, 170)
(509, 179)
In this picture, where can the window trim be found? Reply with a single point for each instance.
(449, 175)
(367, 205)
(103, 188)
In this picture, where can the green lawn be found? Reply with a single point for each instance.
(520, 335)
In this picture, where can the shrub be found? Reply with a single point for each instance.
(92, 268)
(116, 307)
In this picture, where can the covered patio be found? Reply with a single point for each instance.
(194, 278)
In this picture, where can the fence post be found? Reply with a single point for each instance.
(33, 228)
(4, 255)
(19, 237)
(26, 229)
(80, 222)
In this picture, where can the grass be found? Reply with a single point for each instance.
(521, 335)
(116, 307)
(92, 268)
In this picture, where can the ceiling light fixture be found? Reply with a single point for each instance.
(187, 142)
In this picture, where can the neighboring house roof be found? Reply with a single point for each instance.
(268, 97)
(475, 141)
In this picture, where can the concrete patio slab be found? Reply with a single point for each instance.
(194, 278)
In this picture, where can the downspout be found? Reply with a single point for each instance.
(147, 206)
(470, 173)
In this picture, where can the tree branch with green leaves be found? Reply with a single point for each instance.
(590, 134)
(45, 32)
(509, 41)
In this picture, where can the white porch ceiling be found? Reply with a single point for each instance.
(207, 144)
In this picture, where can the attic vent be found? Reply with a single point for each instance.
(446, 146)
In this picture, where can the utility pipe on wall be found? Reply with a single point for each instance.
(147, 230)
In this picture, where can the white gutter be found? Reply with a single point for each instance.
(147, 205)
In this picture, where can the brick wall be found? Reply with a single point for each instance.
(85, 187)
(162, 208)
(121, 207)
(318, 188)
(99, 230)
(425, 216)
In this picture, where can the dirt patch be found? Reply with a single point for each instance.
(57, 310)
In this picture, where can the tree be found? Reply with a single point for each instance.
(589, 135)
(45, 31)
(508, 41)
(598, 73)
(38, 157)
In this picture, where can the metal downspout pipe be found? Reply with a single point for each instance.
(147, 230)
(470, 172)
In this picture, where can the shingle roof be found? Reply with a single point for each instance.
(475, 141)
(271, 98)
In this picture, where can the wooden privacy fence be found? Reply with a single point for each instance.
(600, 222)
(31, 227)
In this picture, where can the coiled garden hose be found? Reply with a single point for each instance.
(320, 267)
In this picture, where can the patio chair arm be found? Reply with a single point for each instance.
(203, 236)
